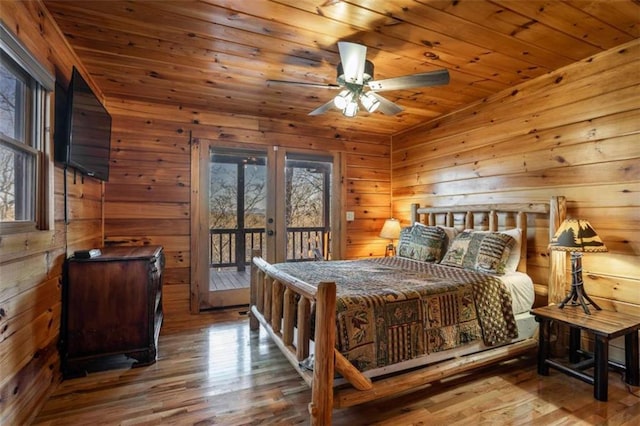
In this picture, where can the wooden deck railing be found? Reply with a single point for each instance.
(233, 247)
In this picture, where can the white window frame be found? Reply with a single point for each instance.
(37, 139)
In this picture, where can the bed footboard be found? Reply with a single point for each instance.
(283, 304)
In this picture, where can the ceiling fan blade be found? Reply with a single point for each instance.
(322, 109)
(303, 84)
(386, 106)
(352, 57)
(433, 78)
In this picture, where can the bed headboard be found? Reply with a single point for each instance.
(491, 214)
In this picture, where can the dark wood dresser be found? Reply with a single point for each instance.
(111, 305)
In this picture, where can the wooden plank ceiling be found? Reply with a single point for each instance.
(217, 55)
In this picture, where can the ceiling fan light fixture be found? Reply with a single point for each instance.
(369, 102)
(342, 99)
(351, 110)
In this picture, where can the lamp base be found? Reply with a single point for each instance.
(390, 250)
(577, 295)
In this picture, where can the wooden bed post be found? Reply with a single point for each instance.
(276, 305)
(304, 314)
(254, 324)
(288, 314)
(268, 289)
(414, 213)
(493, 221)
(557, 259)
(321, 406)
(521, 222)
(468, 220)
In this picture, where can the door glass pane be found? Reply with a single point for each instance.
(223, 196)
(255, 204)
(308, 198)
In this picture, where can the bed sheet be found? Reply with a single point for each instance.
(520, 285)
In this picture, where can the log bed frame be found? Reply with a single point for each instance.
(280, 301)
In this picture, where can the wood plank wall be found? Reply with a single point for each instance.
(574, 132)
(31, 263)
(147, 196)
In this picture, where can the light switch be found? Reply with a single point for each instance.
(351, 216)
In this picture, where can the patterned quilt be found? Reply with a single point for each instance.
(394, 309)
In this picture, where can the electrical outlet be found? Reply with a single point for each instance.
(351, 216)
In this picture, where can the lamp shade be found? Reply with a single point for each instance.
(342, 99)
(370, 102)
(576, 235)
(390, 229)
(351, 109)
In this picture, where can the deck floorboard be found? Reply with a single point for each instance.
(228, 279)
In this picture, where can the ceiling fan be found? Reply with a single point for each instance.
(355, 79)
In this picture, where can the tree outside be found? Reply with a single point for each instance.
(223, 196)
(8, 88)
(304, 197)
(306, 200)
(7, 192)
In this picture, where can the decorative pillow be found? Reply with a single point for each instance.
(514, 256)
(450, 233)
(480, 251)
(424, 243)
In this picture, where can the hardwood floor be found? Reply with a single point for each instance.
(212, 370)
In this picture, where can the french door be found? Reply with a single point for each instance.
(278, 201)
(237, 219)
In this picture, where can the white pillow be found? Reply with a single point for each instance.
(514, 257)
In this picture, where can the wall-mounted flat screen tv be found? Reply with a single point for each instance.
(85, 142)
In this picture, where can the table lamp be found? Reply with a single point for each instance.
(391, 231)
(577, 236)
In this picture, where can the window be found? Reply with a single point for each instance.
(25, 89)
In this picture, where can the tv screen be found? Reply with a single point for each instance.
(88, 131)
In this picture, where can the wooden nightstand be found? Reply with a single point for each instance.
(605, 325)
